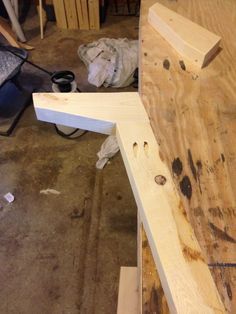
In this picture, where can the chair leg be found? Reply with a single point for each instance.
(14, 20)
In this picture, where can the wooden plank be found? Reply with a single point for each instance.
(185, 277)
(94, 19)
(79, 14)
(85, 13)
(67, 109)
(190, 39)
(82, 11)
(60, 13)
(193, 117)
(10, 36)
(128, 293)
(71, 14)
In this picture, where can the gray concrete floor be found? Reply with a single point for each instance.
(50, 262)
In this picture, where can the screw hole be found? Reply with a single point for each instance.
(160, 179)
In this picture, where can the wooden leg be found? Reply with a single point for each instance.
(14, 20)
(41, 18)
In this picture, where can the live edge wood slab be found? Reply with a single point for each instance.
(185, 277)
(193, 117)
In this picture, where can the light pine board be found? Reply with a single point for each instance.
(82, 10)
(84, 4)
(99, 113)
(185, 277)
(193, 116)
(94, 19)
(71, 14)
(192, 41)
(128, 292)
(60, 13)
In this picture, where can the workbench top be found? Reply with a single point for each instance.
(193, 116)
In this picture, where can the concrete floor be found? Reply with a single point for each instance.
(51, 262)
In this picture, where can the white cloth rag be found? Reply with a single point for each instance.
(108, 149)
(110, 62)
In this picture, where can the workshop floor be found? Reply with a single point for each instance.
(51, 261)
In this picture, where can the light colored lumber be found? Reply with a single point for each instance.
(128, 294)
(94, 18)
(192, 41)
(84, 4)
(79, 14)
(185, 277)
(10, 36)
(193, 118)
(71, 14)
(67, 109)
(7, 32)
(60, 13)
(82, 10)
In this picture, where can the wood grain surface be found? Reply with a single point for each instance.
(153, 299)
(185, 277)
(193, 115)
(71, 14)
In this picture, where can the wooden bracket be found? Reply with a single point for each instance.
(185, 277)
(190, 40)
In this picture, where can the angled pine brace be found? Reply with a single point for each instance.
(185, 277)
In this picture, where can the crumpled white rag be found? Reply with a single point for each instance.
(108, 149)
(110, 62)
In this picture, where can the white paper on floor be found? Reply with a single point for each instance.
(50, 191)
(9, 197)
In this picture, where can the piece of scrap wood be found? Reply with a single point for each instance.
(128, 292)
(10, 36)
(189, 39)
(59, 8)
